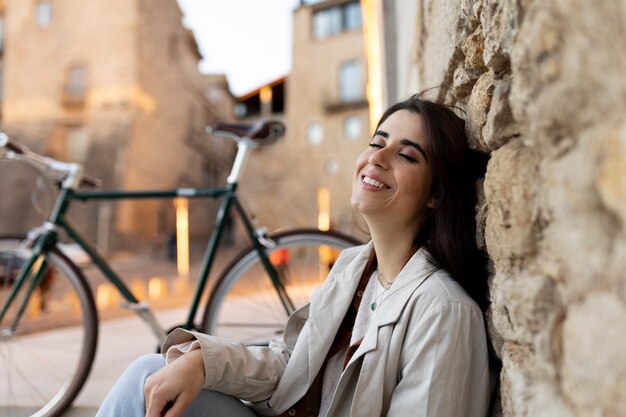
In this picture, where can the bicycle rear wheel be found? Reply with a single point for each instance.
(244, 304)
(46, 359)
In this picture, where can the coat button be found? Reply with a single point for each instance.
(292, 412)
(359, 294)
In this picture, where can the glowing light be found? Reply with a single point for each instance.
(265, 94)
(323, 205)
(157, 288)
(375, 59)
(182, 237)
(105, 296)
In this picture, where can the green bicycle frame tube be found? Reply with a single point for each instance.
(226, 193)
(66, 196)
(282, 292)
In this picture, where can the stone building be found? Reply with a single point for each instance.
(305, 179)
(327, 112)
(544, 90)
(112, 84)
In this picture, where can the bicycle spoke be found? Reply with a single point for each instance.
(45, 360)
(245, 304)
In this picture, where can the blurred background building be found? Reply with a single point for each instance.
(306, 179)
(119, 92)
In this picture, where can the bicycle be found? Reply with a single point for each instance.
(40, 287)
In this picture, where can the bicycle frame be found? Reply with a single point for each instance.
(49, 237)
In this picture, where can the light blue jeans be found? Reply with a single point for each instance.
(127, 399)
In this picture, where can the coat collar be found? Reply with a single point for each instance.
(413, 275)
(330, 303)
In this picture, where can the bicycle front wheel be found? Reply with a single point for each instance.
(245, 305)
(46, 357)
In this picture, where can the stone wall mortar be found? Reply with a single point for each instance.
(544, 93)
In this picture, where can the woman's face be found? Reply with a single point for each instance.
(393, 179)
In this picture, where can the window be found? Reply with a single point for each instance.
(350, 85)
(352, 16)
(352, 127)
(44, 13)
(331, 166)
(326, 22)
(314, 133)
(77, 144)
(333, 20)
(77, 80)
(75, 88)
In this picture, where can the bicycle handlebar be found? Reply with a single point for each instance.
(11, 145)
(71, 172)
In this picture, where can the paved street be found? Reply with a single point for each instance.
(121, 341)
(123, 336)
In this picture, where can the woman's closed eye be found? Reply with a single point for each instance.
(408, 158)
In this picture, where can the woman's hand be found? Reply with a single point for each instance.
(171, 390)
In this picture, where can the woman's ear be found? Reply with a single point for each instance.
(433, 202)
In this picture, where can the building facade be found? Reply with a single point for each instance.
(305, 179)
(327, 112)
(112, 84)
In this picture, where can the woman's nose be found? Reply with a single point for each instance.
(378, 158)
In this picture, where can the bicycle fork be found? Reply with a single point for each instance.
(37, 263)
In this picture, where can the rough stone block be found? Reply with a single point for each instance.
(473, 48)
(513, 217)
(443, 29)
(500, 21)
(526, 389)
(611, 179)
(524, 307)
(577, 242)
(499, 126)
(477, 109)
(463, 82)
(594, 356)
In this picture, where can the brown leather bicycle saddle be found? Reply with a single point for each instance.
(263, 132)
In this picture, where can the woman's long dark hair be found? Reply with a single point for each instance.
(449, 230)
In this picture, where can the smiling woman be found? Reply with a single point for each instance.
(395, 330)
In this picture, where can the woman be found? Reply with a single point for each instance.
(396, 329)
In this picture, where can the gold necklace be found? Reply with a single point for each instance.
(386, 284)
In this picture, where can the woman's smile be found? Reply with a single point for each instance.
(370, 180)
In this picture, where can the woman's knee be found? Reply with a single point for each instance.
(127, 396)
(144, 366)
(148, 363)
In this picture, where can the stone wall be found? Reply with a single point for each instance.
(544, 88)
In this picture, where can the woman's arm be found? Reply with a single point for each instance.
(444, 370)
(247, 372)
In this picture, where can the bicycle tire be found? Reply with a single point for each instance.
(244, 304)
(47, 359)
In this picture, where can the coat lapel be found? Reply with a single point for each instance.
(414, 273)
(329, 305)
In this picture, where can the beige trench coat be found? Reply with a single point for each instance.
(424, 354)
